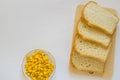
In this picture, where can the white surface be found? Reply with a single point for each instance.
(48, 24)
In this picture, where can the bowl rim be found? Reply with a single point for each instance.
(30, 52)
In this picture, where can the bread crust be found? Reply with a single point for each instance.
(92, 40)
(96, 26)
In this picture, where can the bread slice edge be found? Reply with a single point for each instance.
(92, 40)
(93, 25)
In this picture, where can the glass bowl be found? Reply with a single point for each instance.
(50, 57)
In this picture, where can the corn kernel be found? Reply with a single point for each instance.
(38, 67)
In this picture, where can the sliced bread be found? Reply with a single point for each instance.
(98, 17)
(86, 64)
(92, 34)
(89, 49)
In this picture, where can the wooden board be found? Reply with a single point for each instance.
(108, 72)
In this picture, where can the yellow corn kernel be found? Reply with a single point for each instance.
(46, 79)
(38, 67)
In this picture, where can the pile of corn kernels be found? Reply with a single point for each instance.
(38, 66)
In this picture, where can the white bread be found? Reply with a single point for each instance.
(74, 59)
(92, 34)
(98, 17)
(89, 49)
(86, 64)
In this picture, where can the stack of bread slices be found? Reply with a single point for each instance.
(92, 39)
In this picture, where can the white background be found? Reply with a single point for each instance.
(46, 24)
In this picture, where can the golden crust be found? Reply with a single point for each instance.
(92, 40)
(93, 25)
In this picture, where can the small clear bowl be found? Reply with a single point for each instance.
(50, 57)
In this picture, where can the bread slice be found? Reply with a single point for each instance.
(86, 64)
(89, 49)
(92, 34)
(99, 17)
(106, 72)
